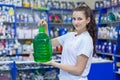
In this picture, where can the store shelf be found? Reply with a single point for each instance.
(115, 22)
(31, 23)
(60, 9)
(7, 22)
(98, 9)
(24, 54)
(40, 67)
(60, 23)
(6, 38)
(37, 9)
(5, 62)
(25, 62)
(107, 39)
(100, 60)
(29, 62)
(25, 38)
(109, 24)
(117, 72)
(102, 53)
(117, 56)
(7, 5)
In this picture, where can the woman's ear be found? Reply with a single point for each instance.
(88, 20)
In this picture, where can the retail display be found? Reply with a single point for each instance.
(60, 24)
(108, 32)
(42, 46)
(23, 30)
(19, 26)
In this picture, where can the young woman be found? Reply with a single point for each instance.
(78, 46)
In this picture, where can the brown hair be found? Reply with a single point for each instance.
(91, 26)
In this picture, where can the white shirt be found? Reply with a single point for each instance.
(74, 46)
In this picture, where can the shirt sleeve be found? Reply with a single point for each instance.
(87, 47)
(62, 38)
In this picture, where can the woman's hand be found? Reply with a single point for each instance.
(49, 62)
(43, 22)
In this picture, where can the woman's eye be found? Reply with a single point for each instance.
(79, 18)
(73, 18)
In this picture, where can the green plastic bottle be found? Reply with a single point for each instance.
(42, 46)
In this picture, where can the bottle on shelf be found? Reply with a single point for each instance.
(42, 46)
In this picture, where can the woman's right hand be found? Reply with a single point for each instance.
(43, 22)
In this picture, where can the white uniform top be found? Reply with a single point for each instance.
(74, 46)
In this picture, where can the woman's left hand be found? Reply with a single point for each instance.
(48, 63)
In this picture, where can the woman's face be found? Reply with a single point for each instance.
(80, 21)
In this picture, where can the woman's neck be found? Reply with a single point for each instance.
(79, 32)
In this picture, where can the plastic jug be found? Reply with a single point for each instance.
(42, 46)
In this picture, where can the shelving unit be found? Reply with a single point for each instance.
(27, 26)
(19, 16)
(25, 22)
(60, 18)
(7, 40)
(108, 36)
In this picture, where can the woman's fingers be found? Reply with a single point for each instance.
(42, 22)
(46, 63)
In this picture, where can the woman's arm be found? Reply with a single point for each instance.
(73, 69)
(55, 42)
